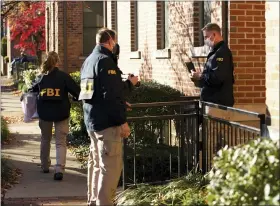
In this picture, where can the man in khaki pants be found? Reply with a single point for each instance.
(103, 94)
(105, 163)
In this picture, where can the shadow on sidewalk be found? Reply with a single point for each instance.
(35, 184)
(24, 153)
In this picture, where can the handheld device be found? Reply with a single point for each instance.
(190, 67)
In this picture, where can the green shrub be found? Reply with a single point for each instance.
(4, 46)
(246, 175)
(4, 130)
(29, 76)
(188, 190)
(78, 133)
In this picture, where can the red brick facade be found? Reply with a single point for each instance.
(73, 35)
(143, 49)
(247, 42)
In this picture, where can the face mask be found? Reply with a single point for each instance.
(208, 42)
(116, 49)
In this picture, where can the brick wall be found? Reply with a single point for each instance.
(247, 42)
(74, 35)
(133, 26)
(152, 65)
(56, 40)
(272, 63)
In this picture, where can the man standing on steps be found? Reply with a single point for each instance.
(103, 94)
(217, 79)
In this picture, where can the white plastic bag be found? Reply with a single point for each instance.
(29, 106)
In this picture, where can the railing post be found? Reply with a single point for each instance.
(197, 133)
(204, 140)
(124, 163)
(262, 125)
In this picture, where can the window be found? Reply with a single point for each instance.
(207, 12)
(53, 22)
(114, 15)
(204, 18)
(92, 22)
(166, 24)
(48, 30)
(162, 24)
(134, 25)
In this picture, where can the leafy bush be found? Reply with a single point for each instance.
(246, 175)
(78, 133)
(4, 46)
(189, 190)
(4, 130)
(29, 76)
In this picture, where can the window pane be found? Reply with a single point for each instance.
(93, 20)
(207, 12)
(166, 26)
(93, 14)
(89, 39)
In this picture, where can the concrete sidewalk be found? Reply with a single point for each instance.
(36, 188)
(24, 153)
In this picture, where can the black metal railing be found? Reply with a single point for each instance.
(169, 139)
(221, 127)
(160, 145)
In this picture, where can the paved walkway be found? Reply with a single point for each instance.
(36, 188)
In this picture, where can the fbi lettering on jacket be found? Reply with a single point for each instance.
(50, 92)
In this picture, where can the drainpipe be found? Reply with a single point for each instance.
(65, 63)
(225, 20)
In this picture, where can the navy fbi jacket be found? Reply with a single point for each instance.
(217, 78)
(102, 90)
(53, 103)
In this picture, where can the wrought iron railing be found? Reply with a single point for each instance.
(169, 139)
(220, 128)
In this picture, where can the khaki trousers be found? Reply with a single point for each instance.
(104, 165)
(61, 131)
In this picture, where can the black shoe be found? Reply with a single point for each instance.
(45, 170)
(58, 176)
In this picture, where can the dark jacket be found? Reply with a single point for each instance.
(217, 78)
(103, 91)
(53, 103)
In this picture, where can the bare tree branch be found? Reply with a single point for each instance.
(12, 6)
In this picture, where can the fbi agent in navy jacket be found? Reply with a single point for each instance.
(217, 79)
(53, 107)
(103, 92)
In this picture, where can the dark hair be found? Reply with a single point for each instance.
(103, 35)
(212, 27)
(51, 61)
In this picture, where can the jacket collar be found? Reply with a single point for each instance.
(103, 50)
(218, 45)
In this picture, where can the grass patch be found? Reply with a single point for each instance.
(189, 190)
(4, 130)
